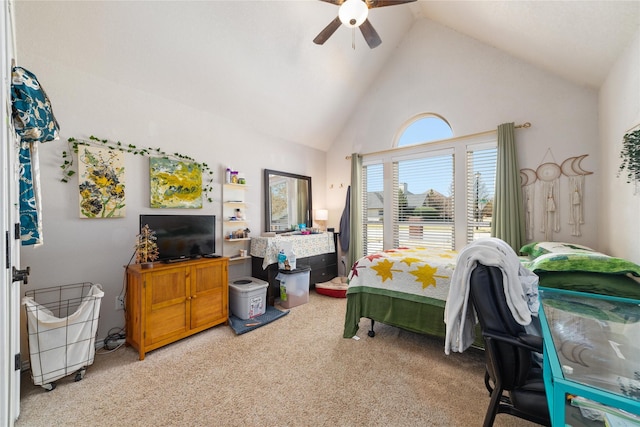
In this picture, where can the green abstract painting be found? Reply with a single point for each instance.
(175, 183)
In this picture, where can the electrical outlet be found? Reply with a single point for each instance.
(119, 302)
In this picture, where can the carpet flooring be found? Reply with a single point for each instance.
(297, 371)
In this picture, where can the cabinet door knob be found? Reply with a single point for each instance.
(194, 297)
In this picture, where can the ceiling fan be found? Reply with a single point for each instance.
(353, 13)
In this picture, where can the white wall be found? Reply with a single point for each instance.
(435, 69)
(619, 230)
(95, 250)
(476, 88)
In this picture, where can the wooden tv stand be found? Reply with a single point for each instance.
(172, 301)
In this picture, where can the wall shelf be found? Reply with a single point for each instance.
(234, 196)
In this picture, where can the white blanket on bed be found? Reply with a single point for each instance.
(520, 286)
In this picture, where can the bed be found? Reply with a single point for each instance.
(404, 287)
(583, 269)
(408, 287)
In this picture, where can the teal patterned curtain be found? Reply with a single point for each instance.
(508, 212)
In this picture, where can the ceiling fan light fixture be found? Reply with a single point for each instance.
(353, 13)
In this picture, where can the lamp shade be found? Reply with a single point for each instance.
(322, 214)
(353, 13)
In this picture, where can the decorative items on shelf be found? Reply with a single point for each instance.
(146, 247)
(239, 234)
(234, 177)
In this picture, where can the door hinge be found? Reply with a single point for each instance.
(21, 275)
(16, 231)
(18, 362)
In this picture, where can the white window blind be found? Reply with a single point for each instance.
(438, 196)
(423, 208)
(481, 179)
(373, 207)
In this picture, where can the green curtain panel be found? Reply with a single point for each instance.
(355, 221)
(508, 212)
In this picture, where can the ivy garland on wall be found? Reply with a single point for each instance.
(73, 143)
(630, 156)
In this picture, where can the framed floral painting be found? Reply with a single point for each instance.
(175, 183)
(101, 183)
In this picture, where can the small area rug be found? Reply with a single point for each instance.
(243, 326)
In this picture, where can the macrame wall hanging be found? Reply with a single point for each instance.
(548, 175)
(572, 169)
(547, 178)
(528, 179)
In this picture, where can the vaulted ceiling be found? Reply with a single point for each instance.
(254, 61)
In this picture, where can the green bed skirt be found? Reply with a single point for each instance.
(425, 317)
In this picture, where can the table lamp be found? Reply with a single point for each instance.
(321, 217)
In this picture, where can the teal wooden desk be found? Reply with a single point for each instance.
(591, 349)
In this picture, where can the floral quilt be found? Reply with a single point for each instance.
(409, 273)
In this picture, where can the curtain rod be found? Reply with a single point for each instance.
(522, 126)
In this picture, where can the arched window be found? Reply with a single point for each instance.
(413, 197)
(424, 128)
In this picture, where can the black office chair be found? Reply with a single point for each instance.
(514, 382)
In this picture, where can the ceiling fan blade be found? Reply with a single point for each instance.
(328, 31)
(382, 3)
(370, 35)
(336, 2)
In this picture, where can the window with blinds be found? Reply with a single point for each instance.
(437, 195)
(373, 207)
(423, 209)
(481, 179)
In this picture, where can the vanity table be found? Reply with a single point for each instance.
(317, 251)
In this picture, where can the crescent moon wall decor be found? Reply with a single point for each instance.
(566, 167)
(577, 168)
(527, 177)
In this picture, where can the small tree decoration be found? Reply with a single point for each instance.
(146, 247)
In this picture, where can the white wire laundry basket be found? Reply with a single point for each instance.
(62, 323)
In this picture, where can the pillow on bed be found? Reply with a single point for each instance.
(593, 262)
(617, 285)
(535, 249)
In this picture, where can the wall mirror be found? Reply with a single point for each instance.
(287, 199)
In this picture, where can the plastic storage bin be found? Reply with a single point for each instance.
(62, 322)
(248, 297)
(294, 287)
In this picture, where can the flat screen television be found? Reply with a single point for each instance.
(182, 236)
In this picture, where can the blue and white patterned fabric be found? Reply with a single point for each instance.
(34, 122)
